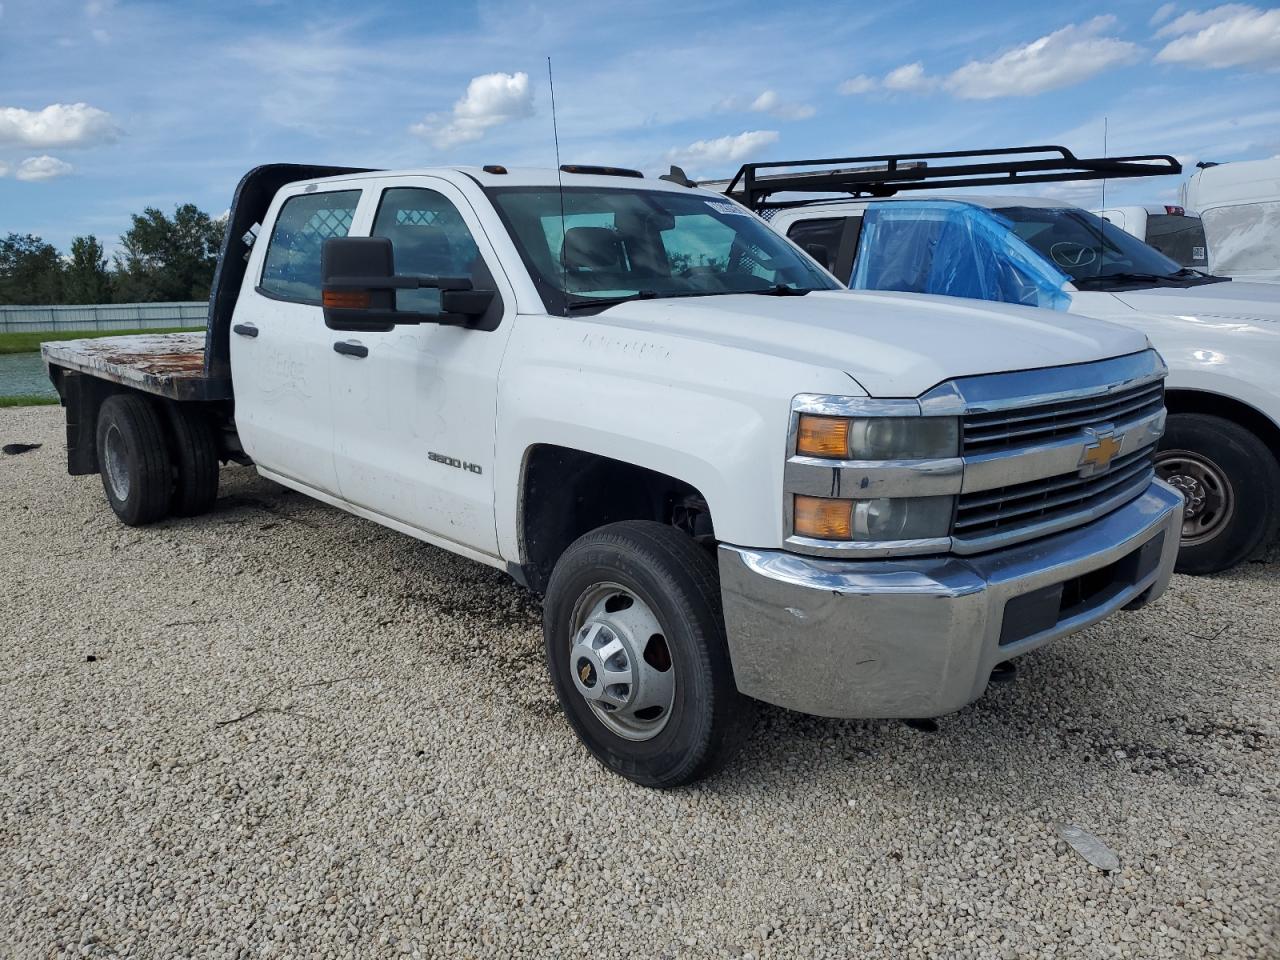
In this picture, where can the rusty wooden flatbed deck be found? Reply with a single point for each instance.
(166, 364)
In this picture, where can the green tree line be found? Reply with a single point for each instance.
(162, 258)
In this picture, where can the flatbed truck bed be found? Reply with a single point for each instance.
(164, 364)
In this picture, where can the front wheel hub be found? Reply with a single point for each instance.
(620, 663)
(1210, 499)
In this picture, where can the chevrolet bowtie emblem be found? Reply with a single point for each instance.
(1098, 455)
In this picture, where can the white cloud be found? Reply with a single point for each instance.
(4, 169)
(42, 168)
(859, 84)
(769, 102)
(723, 150)
(909, 78)
(1163, 13)
(1228, 36)
(491, 99)
(1059, 59)
(57, 125)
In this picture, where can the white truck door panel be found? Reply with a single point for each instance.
(280, 347)
(414, 420)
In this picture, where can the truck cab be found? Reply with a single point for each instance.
(731, 480)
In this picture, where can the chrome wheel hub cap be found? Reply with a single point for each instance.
(114, 460)
(620, 663)
(1210, 501)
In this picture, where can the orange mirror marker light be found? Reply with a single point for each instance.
(826, 437)
(355, 299)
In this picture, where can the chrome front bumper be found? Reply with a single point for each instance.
(919, 637)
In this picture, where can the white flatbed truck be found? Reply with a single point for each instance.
(732, 480)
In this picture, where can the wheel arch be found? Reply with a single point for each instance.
(565, 492)
(1181, 400)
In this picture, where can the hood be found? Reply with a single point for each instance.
(1229, 301)
(893, 344)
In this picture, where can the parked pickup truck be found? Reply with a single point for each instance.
(731, 479)
(1221, 339)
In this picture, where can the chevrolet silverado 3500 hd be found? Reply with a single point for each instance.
(731, 479)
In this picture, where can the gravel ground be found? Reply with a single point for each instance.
(280, 731)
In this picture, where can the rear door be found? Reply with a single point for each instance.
(415, 417)
(280, 347)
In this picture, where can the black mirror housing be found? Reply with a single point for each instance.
(820, 253)
(351, 269)
(359, 285)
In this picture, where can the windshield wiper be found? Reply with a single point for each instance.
(1106, 278)
(1185, 275)
(1191, 273)
(580, 301)
(780, 290)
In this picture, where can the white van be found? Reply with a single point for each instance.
(1239, 205)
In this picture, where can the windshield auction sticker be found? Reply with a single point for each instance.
(732, 209)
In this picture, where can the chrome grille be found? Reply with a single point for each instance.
(987, 513)
(1024, 426)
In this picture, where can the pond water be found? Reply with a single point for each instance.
(22, 374)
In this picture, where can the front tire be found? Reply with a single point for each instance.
(636, 647)
(133, 459)
(1232, 487)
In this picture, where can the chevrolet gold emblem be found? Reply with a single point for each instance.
(1098, 455)
(585, 672)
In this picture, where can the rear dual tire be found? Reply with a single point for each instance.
(155, 460)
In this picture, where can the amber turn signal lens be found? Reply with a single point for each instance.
(826, 437)
(354, 299)
(823, 519)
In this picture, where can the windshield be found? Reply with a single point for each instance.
(1085, 246)
(612, 244)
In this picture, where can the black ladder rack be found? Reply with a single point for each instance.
(883, 175)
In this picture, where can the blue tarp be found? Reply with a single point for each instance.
(954, 249)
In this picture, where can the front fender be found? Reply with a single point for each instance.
(712, 416)
(1240, 367)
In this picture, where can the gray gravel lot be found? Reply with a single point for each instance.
(280, 731)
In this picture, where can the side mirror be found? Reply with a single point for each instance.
(820, 253)
(359, 289)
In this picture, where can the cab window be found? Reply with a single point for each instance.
(429, 238)
(808, 234)
(291, 270)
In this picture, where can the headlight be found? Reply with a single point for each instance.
(884, 518)
(877, 438)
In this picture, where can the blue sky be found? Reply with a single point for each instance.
(108, 107)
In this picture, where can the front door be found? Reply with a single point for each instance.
(280, 347)
(414, 418)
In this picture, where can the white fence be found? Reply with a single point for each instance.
(103, 316)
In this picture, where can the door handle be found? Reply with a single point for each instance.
(351, 348)
(245, 329)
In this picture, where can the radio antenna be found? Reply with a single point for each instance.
(1102, 214)
(555, 130)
